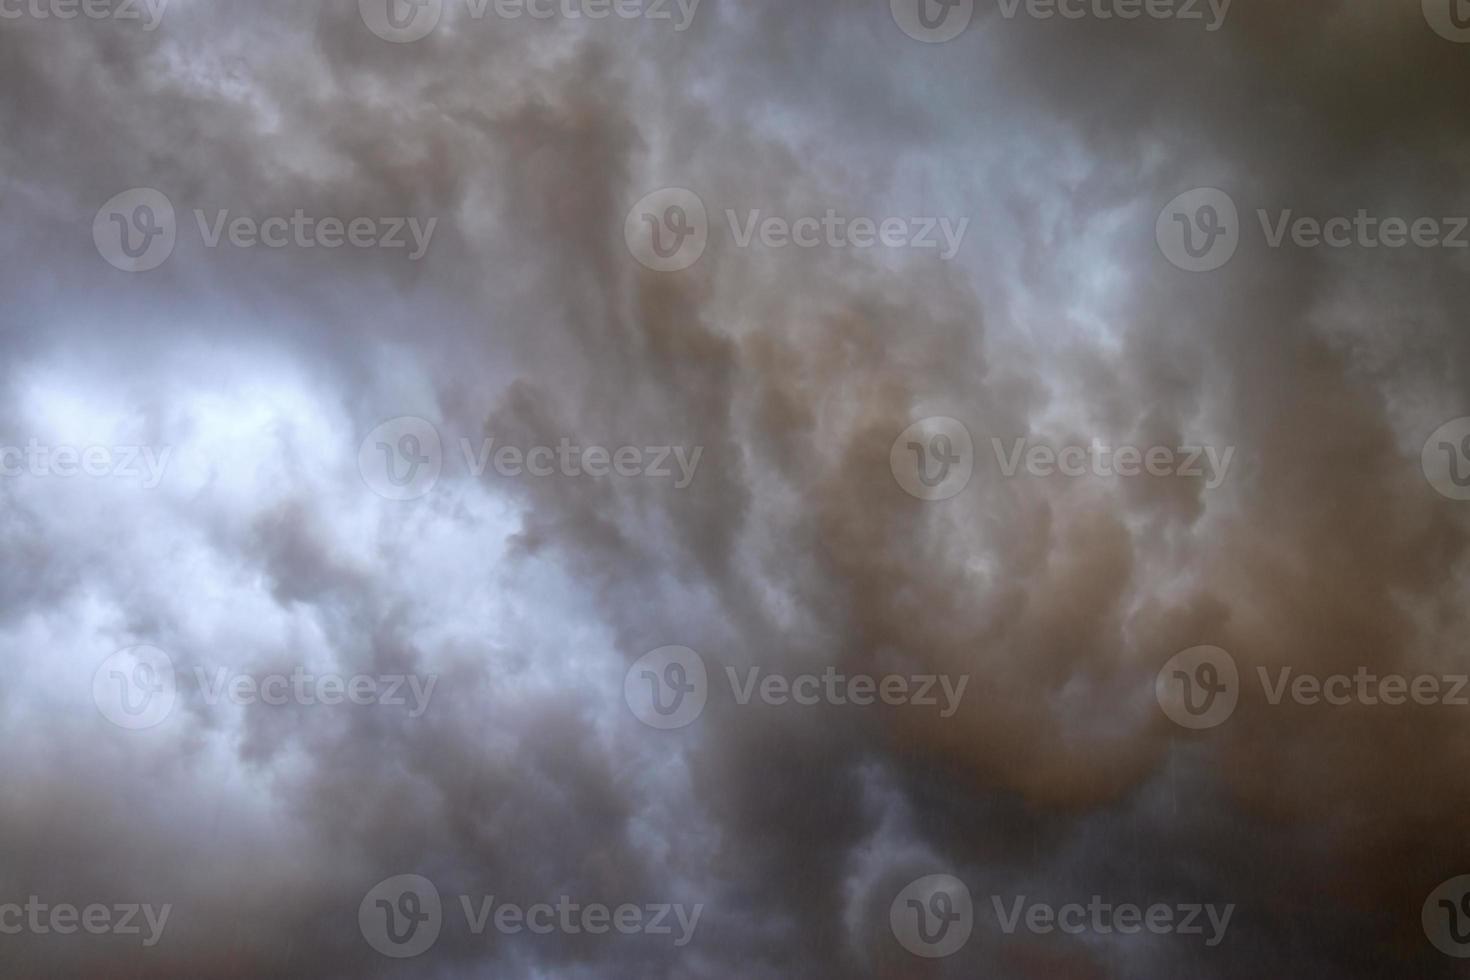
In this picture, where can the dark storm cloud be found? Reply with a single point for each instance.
(794, 548)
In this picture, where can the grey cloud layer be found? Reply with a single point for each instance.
(528, 320)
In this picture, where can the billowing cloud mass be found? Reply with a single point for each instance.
(248, 527)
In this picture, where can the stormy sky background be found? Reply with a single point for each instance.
(1060, 320)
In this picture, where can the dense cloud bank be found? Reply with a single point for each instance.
(369, 673)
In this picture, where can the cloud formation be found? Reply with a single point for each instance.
(794, 549)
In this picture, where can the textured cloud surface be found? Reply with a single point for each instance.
(243, 525)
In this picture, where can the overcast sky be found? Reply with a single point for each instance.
(865, 489)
